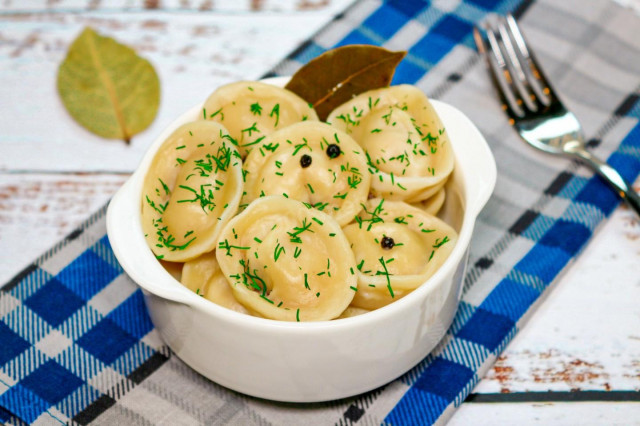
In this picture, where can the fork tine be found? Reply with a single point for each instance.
(515, 66)
(498, 71)
(533, 72)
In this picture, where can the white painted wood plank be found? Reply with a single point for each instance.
(37, 211)
(240, 6)
(192, 52)
(558, 414)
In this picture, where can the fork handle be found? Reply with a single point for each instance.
(608, 173)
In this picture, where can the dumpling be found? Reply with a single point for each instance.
(314, 163)
(252, 110)
(397, 248)
(286, 261)
(433, 204)
(203, 276)
(173, 268)
(353, 312)
(192, 188)
(407, 147)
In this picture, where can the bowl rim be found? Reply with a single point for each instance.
(156, 280)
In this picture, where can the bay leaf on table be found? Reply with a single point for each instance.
(107, 87)
(337, 75)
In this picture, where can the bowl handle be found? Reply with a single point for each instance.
(130, 248)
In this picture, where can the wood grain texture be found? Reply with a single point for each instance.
(193, 53)
(38, 210)
(584, 336)
(21, 6)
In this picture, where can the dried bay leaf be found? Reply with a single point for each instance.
(107, 87)
(336, 76)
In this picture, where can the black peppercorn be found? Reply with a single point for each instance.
(387, 243)
(305, 161)
(333, 151)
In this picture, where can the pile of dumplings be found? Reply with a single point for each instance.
(263, 209)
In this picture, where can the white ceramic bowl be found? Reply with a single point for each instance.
(317, 361)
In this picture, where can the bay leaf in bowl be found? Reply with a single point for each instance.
(337, 75)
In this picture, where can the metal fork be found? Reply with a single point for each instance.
(534, 108)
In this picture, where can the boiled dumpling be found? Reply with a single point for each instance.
(252, 110)
(407, 147)
(203, 276)
(433, 204)
(314, 163)
(286, 261)
(192, 188)
(352, 311)
(397, 248)
(173, 268)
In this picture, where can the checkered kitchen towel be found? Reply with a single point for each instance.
(78, 346)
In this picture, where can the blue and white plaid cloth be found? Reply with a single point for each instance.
(78, 345)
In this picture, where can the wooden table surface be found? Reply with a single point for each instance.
(54, 174)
